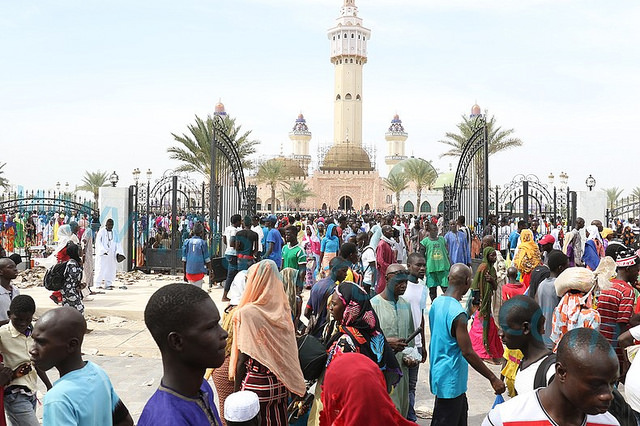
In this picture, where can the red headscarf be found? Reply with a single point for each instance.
(351, 383)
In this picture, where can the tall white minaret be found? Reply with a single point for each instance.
(300, 137)
(396, 138)
(348, 54)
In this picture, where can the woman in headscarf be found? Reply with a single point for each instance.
(71, 288)
(484, 332)
(358, 330)
(220, 376)
(593, 248)
(354, 393)
(575, 287)
(355, 328)
(527, 256)
(329, 247)
(264, 355)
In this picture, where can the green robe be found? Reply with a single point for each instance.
(396, 321)
(19, 233)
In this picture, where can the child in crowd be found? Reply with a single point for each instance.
(242, 409)
(513, 287)
(15, 340)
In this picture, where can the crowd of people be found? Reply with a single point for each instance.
(556, 307)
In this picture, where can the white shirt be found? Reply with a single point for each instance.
(527, 409)
(368, 256)
(258, 230)
(525, 378)
(632, 384)
(416, 296)
(230, 232)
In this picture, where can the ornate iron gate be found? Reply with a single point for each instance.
(623, 209)
(46, 201)
(469, 194)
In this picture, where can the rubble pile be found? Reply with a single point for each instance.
(30, 278)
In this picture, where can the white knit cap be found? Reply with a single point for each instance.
(241, 406)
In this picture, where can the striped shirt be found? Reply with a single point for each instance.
(527, 410)
(615, 306)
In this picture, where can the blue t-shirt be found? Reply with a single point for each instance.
(330, 245)
(274, 237)
(81, 397)
(513, 239)
(195, 253)
(448, 369)
(167, 407)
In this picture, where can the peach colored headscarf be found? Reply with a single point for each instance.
(263, 328)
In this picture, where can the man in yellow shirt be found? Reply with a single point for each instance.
(15, 341)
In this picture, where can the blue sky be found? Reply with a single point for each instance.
(92, 85)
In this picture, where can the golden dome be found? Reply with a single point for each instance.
(346, 157)
(292, 167)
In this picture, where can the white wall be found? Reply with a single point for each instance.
(591, 205)
(114, 204)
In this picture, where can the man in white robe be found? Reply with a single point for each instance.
(107, 250)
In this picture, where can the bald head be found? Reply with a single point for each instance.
(488, 241)
(459, 275)
(584, 347)
(6, 262)
(65, 322)
(395, 267)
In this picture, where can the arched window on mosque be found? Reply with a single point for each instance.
(408, 207)
(357, 97)
(347, 96)
(425, 207)
(338, 97)
(441, 207)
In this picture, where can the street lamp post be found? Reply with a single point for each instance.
(591, 182)
(113, 178)
(136, 178)
(146, 228)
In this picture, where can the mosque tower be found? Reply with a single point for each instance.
(219, 109)
(348, 55)
(300, 137)
(396, 138)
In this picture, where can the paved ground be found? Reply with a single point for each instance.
(120, 343)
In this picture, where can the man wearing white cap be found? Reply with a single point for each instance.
(242, 409)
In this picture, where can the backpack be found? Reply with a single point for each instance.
(540, 380)
(54, 277)
(312, 355)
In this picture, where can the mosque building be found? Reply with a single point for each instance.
(344, 174)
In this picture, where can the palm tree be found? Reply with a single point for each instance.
(272, 173)
(195, 152)
(92, 181)
(4, 182)
(396, 183)
(422, 174)
(499, 140)
(298, 192)
(636, 192)
(612, 195)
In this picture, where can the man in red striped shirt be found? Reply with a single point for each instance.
(615, 304)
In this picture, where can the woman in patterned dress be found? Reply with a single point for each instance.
(70, 291)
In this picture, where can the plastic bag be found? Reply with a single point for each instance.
(499, 400)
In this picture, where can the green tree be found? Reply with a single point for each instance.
(396, 183)
(499, 139)
(298, 192)
(4, 182)
(272, 173)
(613, 194)
(636, 192)
(422, 174)
(195, 150)
(92, 181)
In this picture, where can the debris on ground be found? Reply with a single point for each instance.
(30, 278)
(147, 383)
